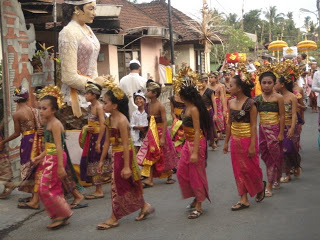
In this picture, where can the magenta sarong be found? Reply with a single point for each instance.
(50, 189)
(247, 171)
(127, 194)
(271, 150)
(192, 177)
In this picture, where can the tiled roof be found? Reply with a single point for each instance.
(131, 16)
(158, 9)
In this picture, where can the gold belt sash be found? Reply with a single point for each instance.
(119, 148)
(29, 132)
(269, 118)
(288, 119)
(178, 111)
(95, 125)
(51, 148)
(240, 130)
(189, 133)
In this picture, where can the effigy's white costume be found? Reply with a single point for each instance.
(79, 53)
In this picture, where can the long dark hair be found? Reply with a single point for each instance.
(68, 10)
(192, 95)
(123, 106)
(268, 74)
(287, 84)
(245, 86)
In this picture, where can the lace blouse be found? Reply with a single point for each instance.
(79, 53)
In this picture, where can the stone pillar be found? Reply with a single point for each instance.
(18, 44)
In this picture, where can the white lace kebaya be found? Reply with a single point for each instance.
(79, 53)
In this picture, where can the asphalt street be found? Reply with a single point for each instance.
(292, 213)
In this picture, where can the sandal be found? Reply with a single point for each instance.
(260, 196)
(195, 214)
(78, 205)
(93, 196)
(64, 222)
(268, 193)
(7, 191)
(106, 226)
(144, 215)
(285, 179)
(24, 205)
(276, 185)
(241, 206)
(170, 181)
(146, 185)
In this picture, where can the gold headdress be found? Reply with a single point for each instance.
(93, 87)
(117, 92)
(244, 74)
(289, 70)
(186, 77)
(54, 91)
(273, 68)
(20, 93)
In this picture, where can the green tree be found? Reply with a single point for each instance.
(233, 20)
(252, 21)
(274, 18)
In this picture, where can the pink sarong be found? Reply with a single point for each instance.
(220, 119)
(247, 171)
(271, 150)
(50, 188)
(192, 177)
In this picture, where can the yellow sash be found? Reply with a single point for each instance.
(269, 118)
(189, 133)
(240, 130)
(51, 148)
(95, 125)
(29, 132)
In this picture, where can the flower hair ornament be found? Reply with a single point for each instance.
(245, 76)
(53, 91)
(20, 93)
(186, 77)
(289, 70)
(114, 88)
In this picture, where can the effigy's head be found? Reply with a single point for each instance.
(82, 11)
(20, 95)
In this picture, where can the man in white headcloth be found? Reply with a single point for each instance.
(132, 83)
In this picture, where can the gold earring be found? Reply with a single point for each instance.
(76, 12)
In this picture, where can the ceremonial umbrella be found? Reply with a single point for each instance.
(306, 46)
(277, 46)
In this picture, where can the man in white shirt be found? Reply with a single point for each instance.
(132, 83)
(316, 88)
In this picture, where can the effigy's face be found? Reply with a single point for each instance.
(89, 12)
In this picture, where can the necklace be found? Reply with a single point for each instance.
(265, 99)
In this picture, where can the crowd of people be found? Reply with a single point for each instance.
(127, 139)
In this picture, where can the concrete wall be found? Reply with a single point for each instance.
(151, 49)
(185, 53)
(109, 66)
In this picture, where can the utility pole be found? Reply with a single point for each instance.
(242, 22)
(171, 37)
(55, 39)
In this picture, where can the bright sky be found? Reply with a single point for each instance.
(192, 7)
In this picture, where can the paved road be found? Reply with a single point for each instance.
(292, 213)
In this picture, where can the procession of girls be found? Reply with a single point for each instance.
(153, 148)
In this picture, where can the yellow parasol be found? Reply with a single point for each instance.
(277, 46)
(306, 46)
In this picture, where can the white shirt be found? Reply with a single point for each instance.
(138, 119)
(316, 85)
(131, 84)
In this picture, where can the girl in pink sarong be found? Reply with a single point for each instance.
(242, 130)
(126, 187)
(270, 106)
(191, 173)
(53, 164)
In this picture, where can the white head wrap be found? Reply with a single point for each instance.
(77, 3)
